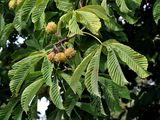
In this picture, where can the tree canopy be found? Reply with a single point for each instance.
(92, 59)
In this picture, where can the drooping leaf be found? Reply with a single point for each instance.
(40, 23)
(137, 62)
(156, 12)
(114, 68)
(78, 72)
(18, 22)
(111, 94)
(27, 8)
(103, 13)
(21, 69)
(69, 103)
(6, 112)
(91, 76)
(38, 10)
(2, 22)
(46, 70)
(73, 26)
(122, 6)
(23, 14)
(17, 113)
(55, 94)
(6, 32)
(89, 20)
(64, 5)
(63, 22)
(29, 93)
(95, 108)
(67, 78)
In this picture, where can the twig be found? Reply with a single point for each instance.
(60, 42)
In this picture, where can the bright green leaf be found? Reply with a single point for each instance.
(29, 93)
(47, 68)
(89, 20)
(91, 76)
(55, 94)
(156, 11)
(79, 71)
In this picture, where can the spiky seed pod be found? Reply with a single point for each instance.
(60, 57)
(69, 52)
(12, 4)
(51, 27)
(51, 56)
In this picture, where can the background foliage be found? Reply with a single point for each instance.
(113, 75)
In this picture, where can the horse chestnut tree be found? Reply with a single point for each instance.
(84, 79)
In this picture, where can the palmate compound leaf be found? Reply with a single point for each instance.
(156, 12)
(6, 112)
(47, 68)
(89, 20)
(135, 61)
(20, 70)
(30, 92)
(91, 75)
(55, 94)
(111, 94)
(79, 71)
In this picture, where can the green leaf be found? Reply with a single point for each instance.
(23, 14)
(20, 75)
(103, 13)
(47, 68)
(122, 6)
(18, 22)
(123, 92)
(89, 20)
(63, 22)
(55, 94)
(111, 94)
(2, 23)
(64, 5)
(73, 26)
(5, 112)
(95, 108)
(40, 23)
(156, 12)
(38, 10)
(91, 76)
(27, 8)
(114, 68)
(20, 71)
(6, 32)
(67, 78)
(29, 93)
(137, 62)
(79, 71)
(69, 103)
(17, 113)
